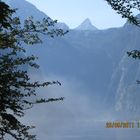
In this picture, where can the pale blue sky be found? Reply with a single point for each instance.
(73, 12)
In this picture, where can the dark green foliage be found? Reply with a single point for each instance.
(134, 54)
(16, 88)
(5, 15)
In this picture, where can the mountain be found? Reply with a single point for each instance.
(62, 26)
(26, 9)
(86, 25)
(98, 78)
(107, 73)
(92, 58)
(129, 25)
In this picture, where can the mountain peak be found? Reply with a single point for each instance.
(86, 25)
(87, 20)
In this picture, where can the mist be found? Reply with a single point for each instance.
(77, 117)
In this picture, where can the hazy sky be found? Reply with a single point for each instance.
(73, 12)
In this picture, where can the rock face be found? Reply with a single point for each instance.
(97, 59)
(26, 9)
(86, 25)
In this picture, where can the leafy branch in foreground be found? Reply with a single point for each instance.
(16, 88)
(126, 9)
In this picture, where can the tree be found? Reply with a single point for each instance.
(126, 9)
(16, 88)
